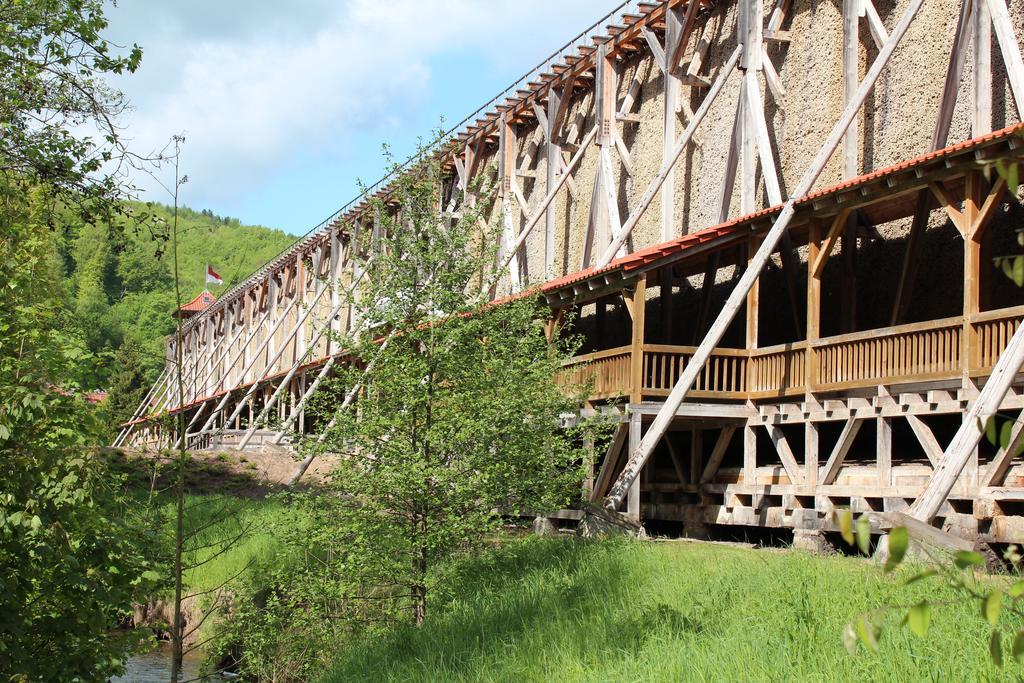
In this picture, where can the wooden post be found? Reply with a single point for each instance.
(981, 112)
(673, 31)
(636, 378)
(811, 454)
(883, 449)
(633, 498)
(753, 296)
(813, 305)
(749, 453)
(973, 200)
(667, 306)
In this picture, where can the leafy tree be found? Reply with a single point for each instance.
(69, 568)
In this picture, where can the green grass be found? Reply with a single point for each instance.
(564, 610)
(235, 537)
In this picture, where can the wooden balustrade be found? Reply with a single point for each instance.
(724, 375)
(907, 353)
(606, 371)
(778, 370)
(993, 330)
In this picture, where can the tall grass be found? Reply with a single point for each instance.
(568, 610)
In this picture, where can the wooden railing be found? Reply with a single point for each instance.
(778, 370)
(723, 376)
(606, 371)
(993, 330)
(907, 353)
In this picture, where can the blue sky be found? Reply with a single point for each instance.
(285, 106)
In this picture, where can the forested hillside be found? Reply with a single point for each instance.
(120, 284)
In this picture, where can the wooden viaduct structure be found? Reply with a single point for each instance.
(778, 224)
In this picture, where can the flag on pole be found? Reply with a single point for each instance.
(212, 277)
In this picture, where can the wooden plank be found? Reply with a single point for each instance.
(842, 447)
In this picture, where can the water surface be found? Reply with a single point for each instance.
(155, 667)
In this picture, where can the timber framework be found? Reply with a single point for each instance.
(783, 230)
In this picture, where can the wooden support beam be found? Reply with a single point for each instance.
(955, 216)
(834, 232)
(981, 110)
(925, 437)
(785, 453)
(842, 447)
(718, 453)
(811, 454)
(541, 209)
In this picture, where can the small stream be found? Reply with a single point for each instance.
(155, 667)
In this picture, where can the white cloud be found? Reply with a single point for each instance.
(253, 84)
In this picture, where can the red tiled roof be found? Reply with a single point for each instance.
(202, 300)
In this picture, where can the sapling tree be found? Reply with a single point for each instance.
(458, 420)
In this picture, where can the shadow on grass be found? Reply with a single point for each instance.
(511, 613)
(205, 473)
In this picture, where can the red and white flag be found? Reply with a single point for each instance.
(212, 277)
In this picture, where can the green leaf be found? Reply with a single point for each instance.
(1006, 264)
(991, 430)
(968, 558)
(864, 534)
(1018, 271)
(1016, 590)
(919, 618)
(151, 575)
(995, 648)
(1012, 177)
(844, 519)
(867, 632)
(1018, 646)
(899, 541)
(991, 606)
(1005, 432)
